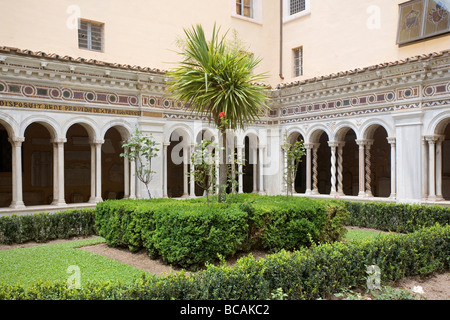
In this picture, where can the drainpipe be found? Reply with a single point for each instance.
(281, 40)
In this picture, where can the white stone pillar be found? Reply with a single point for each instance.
(132, 180)
(424, 169)
(431, 168)
(98, 170)
(126, 177)
(240, 150)
(361, 144)
(393, 194)
(333, 145)
(261, 169)
(438, 178)
(255, 170)
(17, 191)
(308, 147)
(185, 172)
(92, 199)
(55, 173)
(165, 159)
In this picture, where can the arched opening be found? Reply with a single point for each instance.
(112, 165)
(177, 165)
(300, 178)
(323, 165)
(77, 165)
(350, 164)
(250, 168)
(37, 168)
(378, 166)
(446, 164)
(5, 168)
(202, 135)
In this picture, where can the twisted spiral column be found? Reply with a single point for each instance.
(333, 146)
(315, 172)
(340, 168)
(368, 170)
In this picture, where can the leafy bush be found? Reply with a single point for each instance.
(395, 217)
(42, 227)
(189, 234)
(308, 273)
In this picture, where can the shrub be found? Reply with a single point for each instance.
(308, 273)
(42, 227)
(394, 217)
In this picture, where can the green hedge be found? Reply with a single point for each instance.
(308, 273)
(187, 233)
(395, 217)
(43, 227)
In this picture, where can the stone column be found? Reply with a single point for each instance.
(315, 190)
(393, 194)
(340, 168)
(261, 169)
(333, 145)
(17, 191)
(132, 179)
(438, 178)
(361, 144)
(126, 177)
(424, 169)
(185, 172)
(92, 199)
(255, 170)
(431, 168)
(369, 144)
(240, 149)
(165, 159)
(308, 147)
(98, 170)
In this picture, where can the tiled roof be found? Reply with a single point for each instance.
(422, 57)
(54, 56)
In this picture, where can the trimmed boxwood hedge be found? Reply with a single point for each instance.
(308, 273)
(188, 233)
(396, 217)
(43, 227)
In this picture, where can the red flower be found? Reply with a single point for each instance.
(222, 115)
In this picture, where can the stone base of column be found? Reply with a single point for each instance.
(393, 196)
(362, 194)
(17, 205)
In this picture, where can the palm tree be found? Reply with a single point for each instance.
(215, 78)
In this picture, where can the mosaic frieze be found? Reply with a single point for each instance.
(67, 94)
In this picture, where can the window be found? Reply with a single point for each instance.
(296, 6)
(244, 8)
(90, 35)
(298, 62)
(294, 9)
(421, 19)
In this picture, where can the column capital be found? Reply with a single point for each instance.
(97, 142)
(431, 138)
(16, 140)
(364, 142)
(391, 140)
(333, 144)
(59, 140)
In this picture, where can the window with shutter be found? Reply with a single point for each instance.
(244, 8)
(298, 62)
(296, 6)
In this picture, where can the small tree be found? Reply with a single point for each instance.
(204, 170)
(293, 153)
(141, 149)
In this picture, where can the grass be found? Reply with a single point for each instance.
(359, 235)
(50, 262)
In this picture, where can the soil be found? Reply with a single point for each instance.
(435, 286)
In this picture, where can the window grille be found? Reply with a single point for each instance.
(298, 62)
(296, 6)
(90, 35)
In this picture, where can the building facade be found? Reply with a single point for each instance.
(365, 86)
